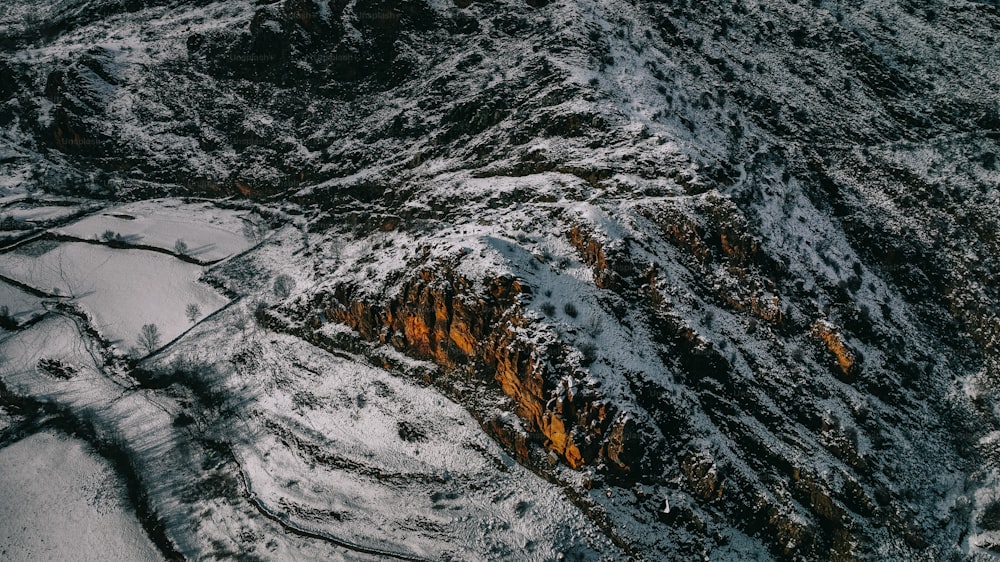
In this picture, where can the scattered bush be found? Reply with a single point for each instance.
(548, 309)
(411, 433)
(56, 368)
(113, 239)
(283, 286)
(259, 311)
(570, 310)
(240, 321)
(589, 352)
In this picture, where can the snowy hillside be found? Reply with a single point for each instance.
(448, 279)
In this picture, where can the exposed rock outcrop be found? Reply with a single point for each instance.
(846, 358)
(479, 329)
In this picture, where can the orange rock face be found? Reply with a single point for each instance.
(700, 470)
(610, 271)
(444, 318)
(835, 344)
(591, 251)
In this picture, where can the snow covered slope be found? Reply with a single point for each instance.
(736, 257)
(44, 475)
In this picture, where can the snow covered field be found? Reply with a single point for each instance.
(55, 337)
(121, 289)
(20, 304)
(41, 213)
(72, 501)
(208, 232)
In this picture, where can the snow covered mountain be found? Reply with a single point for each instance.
(722, 276)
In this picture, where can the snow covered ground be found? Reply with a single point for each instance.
(344, 449)
(55, 337)
(20, 304)
(122, 289)
(71, 500)
(166, 458)
(208, 232)
(40, 213)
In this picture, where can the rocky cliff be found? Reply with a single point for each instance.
(479, 330)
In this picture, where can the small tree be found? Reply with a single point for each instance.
(193, 311)
(109, 235)
(240, 320)
(181, 247)
(283, 285)
(149, 337)
(6, 319)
